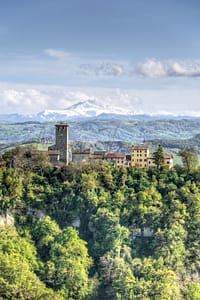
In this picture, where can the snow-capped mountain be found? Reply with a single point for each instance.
(84, 109)
(79, 110)
(90, 109)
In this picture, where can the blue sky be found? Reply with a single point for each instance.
(144, 54)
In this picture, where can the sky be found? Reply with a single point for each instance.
(142, 54)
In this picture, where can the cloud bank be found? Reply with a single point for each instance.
(153, 68)
(103, 69)
(31, 99)
(55, 53)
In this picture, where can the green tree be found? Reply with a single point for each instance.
(18, 262)
(17, 280)
(11, 190)
(117, 278)
(106, 232)
(12, 243)
(189, 158)
(154, 280)
(159, 159)
(44, 232)
(193, 292)
(68, 267)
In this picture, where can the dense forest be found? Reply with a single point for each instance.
(95, 232)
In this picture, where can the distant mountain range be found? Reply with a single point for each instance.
(77, 111)
(83, 110)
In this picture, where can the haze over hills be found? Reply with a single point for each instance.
(91, 109)
(92, 121)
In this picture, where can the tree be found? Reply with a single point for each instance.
(189, 158)
(12, 243)
(17, 280)
(106, 232)
(117, 278)
(159, 159)
(40, 162)
(193, 292)
(17, 265)
(11, 189)
(154, 280)
(68, 266)
(44, 233)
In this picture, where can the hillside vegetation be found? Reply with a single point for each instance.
(130, 130)
(96, 232)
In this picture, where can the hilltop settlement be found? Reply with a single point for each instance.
(140, 155)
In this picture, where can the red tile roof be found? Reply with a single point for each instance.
(114, 155)
(107, 156)
(78, 151)
(96, 156)
(141, 147)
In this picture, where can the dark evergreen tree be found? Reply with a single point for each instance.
(159, 159)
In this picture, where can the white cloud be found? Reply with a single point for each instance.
(30, 99)
(105, 68)
(20, 100)
(188, 69)
(153, 68)
(88, 66)
(59, 66)
(55, 53)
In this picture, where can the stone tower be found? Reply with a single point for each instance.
(62, 141)
(60, 149)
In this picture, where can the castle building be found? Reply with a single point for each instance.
(142, 158)
(62, 144)
(80, 155)
(117, 159)
(139, 156)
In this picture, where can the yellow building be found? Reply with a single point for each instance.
(139, 155)
(142, 158)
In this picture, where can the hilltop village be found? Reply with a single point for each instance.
(140, 155)
(94, 231)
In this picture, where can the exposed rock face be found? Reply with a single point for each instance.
(7, 219)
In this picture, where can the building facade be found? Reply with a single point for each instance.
(139, 155)
(62, 143)
(80, 155)
(142, 158)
